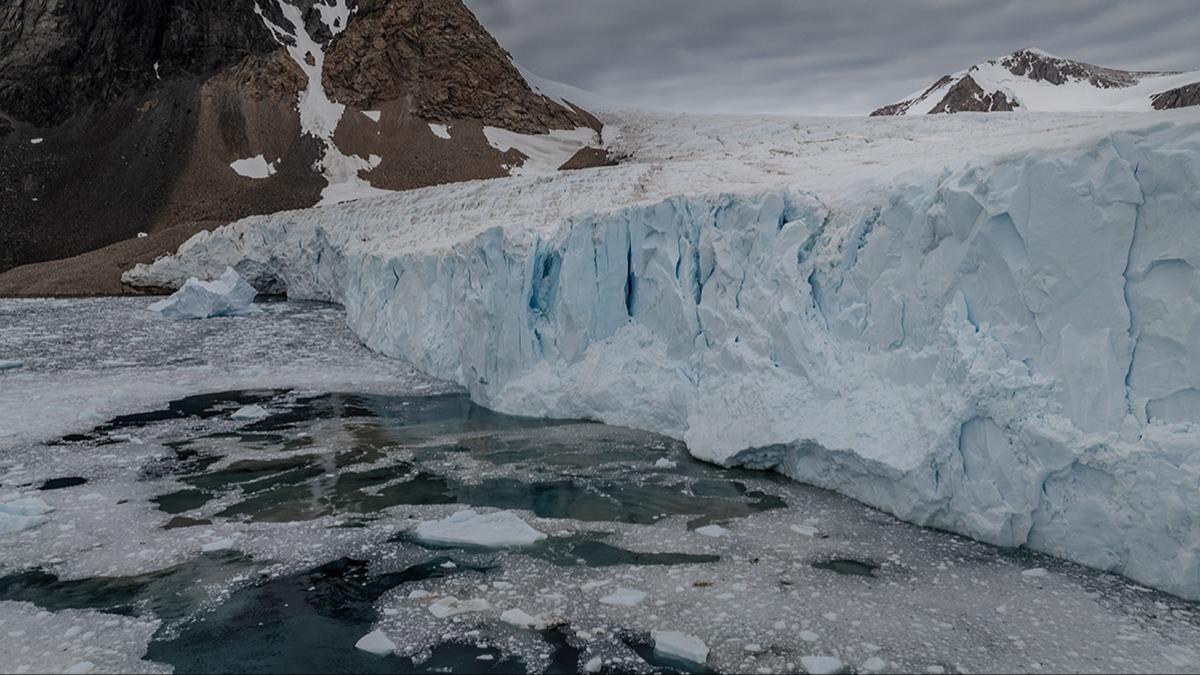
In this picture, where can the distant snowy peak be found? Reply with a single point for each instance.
(1035, 80)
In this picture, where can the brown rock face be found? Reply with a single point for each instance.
(1179, 97)
(435, 54)
(127, 152)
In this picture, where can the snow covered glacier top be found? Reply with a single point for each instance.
(1035, 80)
(985, 324)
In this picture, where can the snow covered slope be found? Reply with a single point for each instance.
(988, 324)
(1035, 80)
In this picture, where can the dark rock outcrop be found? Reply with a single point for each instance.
(967, 96)
(1179, 97)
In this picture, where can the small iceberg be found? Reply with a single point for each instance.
(228, 295)
(502, 529)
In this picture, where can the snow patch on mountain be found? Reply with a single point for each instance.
(319, 115)
(981, 324)
(253, 167)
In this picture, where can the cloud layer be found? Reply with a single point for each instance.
(820, 57)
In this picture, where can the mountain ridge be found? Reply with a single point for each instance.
(1035, 80)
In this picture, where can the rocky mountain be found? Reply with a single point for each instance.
(130, 118)
(1035, 80)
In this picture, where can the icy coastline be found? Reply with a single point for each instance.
(1008, 347)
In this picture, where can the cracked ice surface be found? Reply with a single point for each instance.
(88, 360)
(988, 325)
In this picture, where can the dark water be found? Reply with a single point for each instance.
(337, 454)
(848, 567)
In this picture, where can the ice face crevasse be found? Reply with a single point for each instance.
(1009, 350)
(319, 116)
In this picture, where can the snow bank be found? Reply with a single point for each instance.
(1002, 347)
(544, 152)
(492, 530)
(228, 295)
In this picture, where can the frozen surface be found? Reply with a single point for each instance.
(900, 310)
(544, 152)
(88, 360)
(227, 295)
(489, 530)
(440, 130)
(19, 512)
(320, 500)
(36, 641)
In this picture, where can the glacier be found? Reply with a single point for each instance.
(985, 326)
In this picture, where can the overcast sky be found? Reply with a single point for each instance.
(819, 56)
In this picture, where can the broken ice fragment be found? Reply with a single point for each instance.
(228, 295)
(679, 645)
(624, 597)
(451, 606)
(250, 412)
(376, 643)
(711, 530)
(493, 530)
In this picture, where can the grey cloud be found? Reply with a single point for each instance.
(820, 56)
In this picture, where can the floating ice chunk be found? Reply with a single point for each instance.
(373, 115)
(22, 513)
(228, 295)
(664, 463)
(809, 636)
(493, 530)
(218, 545)
(521, 619)
(376, 643)
(593, 665)
(418, 594)
(624, 597)
(10, 364)
(80, 668)
(142, 235)
(250, 412)
(712, 531)
(874, 664)
(806, 530)
(451, 606)
(1035, 572)
(822, 665)
(679, 645)
(253, 167)
(36, 141)
(440, 130)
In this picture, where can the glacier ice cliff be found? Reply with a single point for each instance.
(1008, 348)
